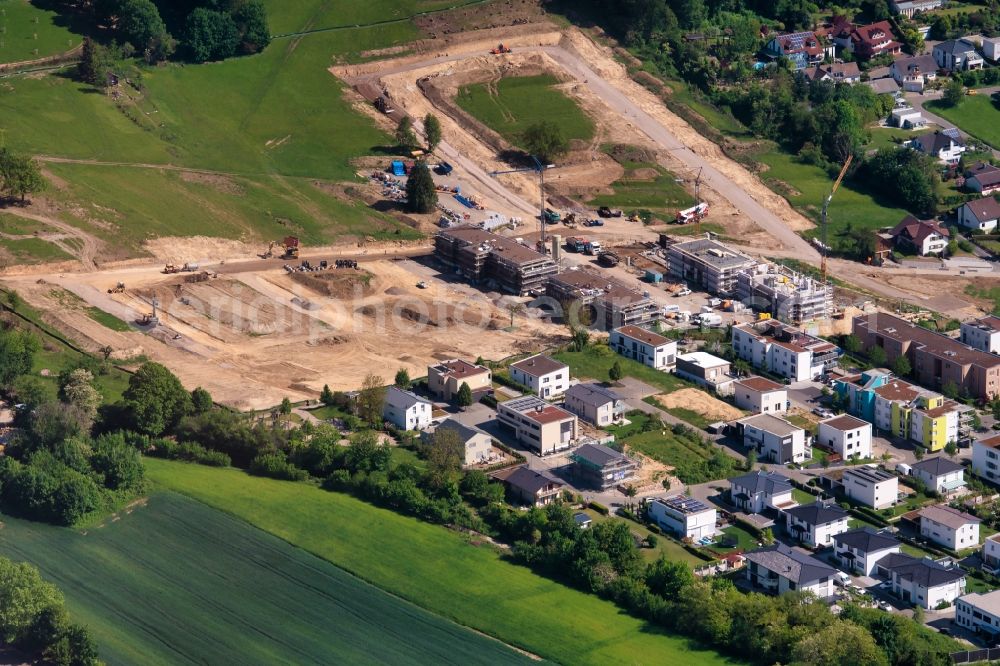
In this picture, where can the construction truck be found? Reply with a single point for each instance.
(501, 48)
(189, 268)
(550, 216)
(604, 211)
(593, 248)
(291, 244)
(576, 243)
(692, 214)
(607, 259)
(170, 269)
(384, 105)
(117, 289)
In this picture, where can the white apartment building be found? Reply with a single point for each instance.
(644, 346)
(871, 486)
(948, 527)
(760, 395)
(979, 613)
(406, 410)
(982, 334)
(547, 377)
(784, 351)
(775, 439)
(848, 436)
(991, 552)
(986, 458)
(684, 516)
(816, 524)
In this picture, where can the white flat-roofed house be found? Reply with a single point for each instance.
(922, 582)
(760, 395)
(948, 527)
(537, 424)
(684, 516)
(871, 486)
(991, 551)
(705, 370)
(776, 440)
(778, 569)
(849, 436)
(760, 490)
(908, 8)
(979, 612)
(861, 549)
(982, 334)
(816, 524)
(644, 346)
(406, 410)
(547, 377)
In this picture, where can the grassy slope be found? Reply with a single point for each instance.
(436, 568)
(225, 592)
(976, 115)
(662, 194)
(519, 102)
(24, 28)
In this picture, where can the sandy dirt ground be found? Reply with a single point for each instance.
(699, 401)
(252, 338)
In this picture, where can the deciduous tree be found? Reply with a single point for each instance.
(545, 140)
(402, 379)
(432, 131)
(370, 399)
(155, 399)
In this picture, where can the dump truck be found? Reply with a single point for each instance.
(604, 211)
(189, 267)
(291, 244)
(170, 269)
(593, 248)
(576, 243)
(551, 216)
(444, 168)
(607, 259)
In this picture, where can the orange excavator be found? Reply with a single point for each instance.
(500, 49)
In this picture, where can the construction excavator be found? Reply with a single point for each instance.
(500, 49)
(117, 289)
(290, 245)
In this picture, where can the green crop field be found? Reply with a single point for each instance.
(647, 186)
(512, 104)
(435, 568)
(179, 582)
(805, 186)
(28, 32)
(976, 115)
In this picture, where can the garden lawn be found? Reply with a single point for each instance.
(806, 186)
(178, 582)
(802, 497)
(882, 137)
(594, 364)
(513, 104)
(975, 115)
(745, 541)
(435, 568)
(28, 32)
(666, 546)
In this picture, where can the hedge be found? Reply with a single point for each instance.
(599, 508)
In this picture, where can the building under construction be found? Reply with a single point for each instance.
(609, 302)
(707, 264)
(485, 258)
(788, 296)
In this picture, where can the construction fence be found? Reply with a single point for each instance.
(973, 656)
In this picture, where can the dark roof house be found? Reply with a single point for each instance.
(866, 540)
(796, 566)
(817, 513)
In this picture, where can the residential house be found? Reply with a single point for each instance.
(979, 612)
(869, 41)
(986, 459)
(922, 582)
(908, 8)
(801, 48)
(705, 370)
(906, 117)
(948, 527)
(406, 410)
(936, 359)
(884, 86)
(538, 425)
(602, 468)
(778, 569)
(858, 391)
(760, 490)
(939, 474)
(684, 516)
(991, 47)
(444, 379)
(981, 215)
(644, 346)
(476, 443)
(841, 72)
(921, 236)
(595, 404)
(982, 334)
(991, 552)
(983, 178)
(816, 524)
(760, 395)
(545, 376)
(871, 486)
(582, 520)
(913, 74)
(944, 146)
(783, 350)
(848, 436)
(528, 486)
(957, 55)
(775, 439)
(861, 549)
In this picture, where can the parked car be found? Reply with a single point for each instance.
(683, 292)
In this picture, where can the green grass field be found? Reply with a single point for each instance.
(514, 103)
(435, 568)
(661, 194)
(179, 582)
(810, 185)
(28, 32)
(33, 250)
(107, 319)
(595, 362)
(668, 449)
(889, 137)
(976, 115)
